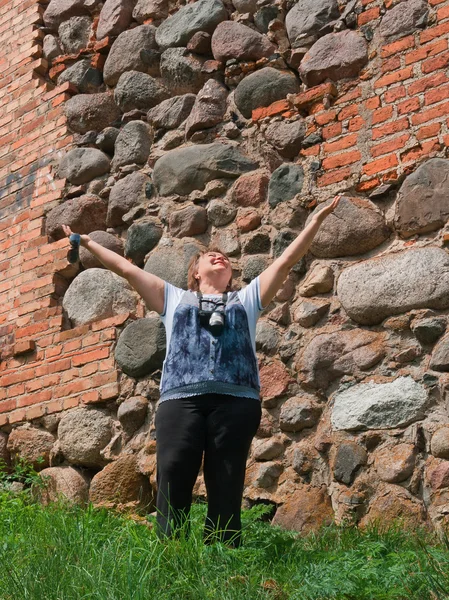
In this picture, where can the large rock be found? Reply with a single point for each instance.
(141, 347)
(331, 355)
(91, 112)
(183, 73)
(189, 221)
(251, 189)
(51, 47)
(97, 294)
(203, 15)
(82, 214)
(274, 381)
(133, 144)
(429, 330)
(286, 137)
(404, 18)
(141, 238)
(440, 355)
(107, 240)
(297, 413)
(132, 412)
(81, 165)
(439, 444)
(83, 434)
(309, 19)
(170, 113)
(395, 464)
(75, 33)
(355, 227)
(267, 449)
(127, 193)
(127, 53)
(394, 503)
(234, 40)
(220, 213)
(422, 203)
(150, 9)
(171, 262)
(307, 510)
(87, 79)
(393, 284)
(115, 17)
(319, 280)
(285, 182)
(138, 90)
(31, 445)
(348, 458)
(187, 169)
(120, 483)
(264, 87)
(379, 405)
(61, 10)
(335, 56)
(63, 483)
(209, 107)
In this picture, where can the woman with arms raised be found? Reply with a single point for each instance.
(209, 403)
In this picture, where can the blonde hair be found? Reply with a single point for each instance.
(192, 282)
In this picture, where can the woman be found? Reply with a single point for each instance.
(209, 402)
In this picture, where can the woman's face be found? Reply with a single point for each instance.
(214, 266)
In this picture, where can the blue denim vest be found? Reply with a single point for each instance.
(198, 362)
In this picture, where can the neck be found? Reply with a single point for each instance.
(210, 288)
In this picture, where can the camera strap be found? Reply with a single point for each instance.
(224, 300)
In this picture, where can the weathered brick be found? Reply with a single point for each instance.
(408, 106)
(341, 160)
(334, 177)
(432, 33)
(390, 128)
(344, 143)
(433, 113)
(382, 114)
(390, 146)
(430, 49)
(381, 164)
(332, 131)
(428, 131)
(395, 77)
(398, 46)
(426, 83)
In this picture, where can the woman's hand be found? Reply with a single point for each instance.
(68, 232)
(327, 210)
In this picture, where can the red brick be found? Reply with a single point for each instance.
(425, 51)
(270, 111)
(342, 159)
(368, 15)
(349, 111)
(436, 95)
(109, 392)
(390, 128)
(312, 151)
(325, 117)
(349, 96)
(390, 146)
(443, 13)
(434, 32)
(372, 103)
(421, 150)
(408, 106)
(393, 63)
(16, 416)
(395, 77)
(90, 397)
(368, 185)
(356, 124)
(334, 177)
(87, 357)
(436, 62)
(382, 114)
(379, 165)
(425, 83)
(342, 144)
(428, 131)
(332, 131)
(35, 412)
(399, 46)
(441, 110)
(305, 99)
(24, 347)
(7, 405)
(36, 398)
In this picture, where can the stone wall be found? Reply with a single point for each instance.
(158, 128)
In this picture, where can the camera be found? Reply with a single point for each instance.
(213, 319)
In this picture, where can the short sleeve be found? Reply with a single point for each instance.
(249, 296)
(172, 297)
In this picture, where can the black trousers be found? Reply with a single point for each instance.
(221, 428)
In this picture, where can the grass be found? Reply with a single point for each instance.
(64, 552)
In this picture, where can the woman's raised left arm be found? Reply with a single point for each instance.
(272, 279)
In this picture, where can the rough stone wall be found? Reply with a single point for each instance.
(229, 123)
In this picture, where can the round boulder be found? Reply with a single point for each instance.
(348, 458)
(404, 18)
(171, 262)
(264, 87)
(125, 195)
(170, 113)
(81, 165)
(58, 11)
(150, 9)
(31, 445)
(132, 412)
(91, 112)
(141, 347)
(209, 107)
(439, 444)
(395, 464)
(138, 90)
(298, 413)
(286, 137)
(107, 240)
(234, 40)
(308, 20)
(220, 213)
(83, 433)
(189, 221)
(97, 294)
(75, 33)
(115, 17)
(285, 182)
(182, 72)
(82, 214)
(133, 144)
(63, 482)
(142, 237)
(307, 510)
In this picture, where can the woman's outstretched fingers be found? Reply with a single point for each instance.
(66, 229)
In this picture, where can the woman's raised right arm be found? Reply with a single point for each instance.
(150, 287)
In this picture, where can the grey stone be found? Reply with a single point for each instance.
(82, 214)
(422, 203)
(330, 355)
(355, 227)
(31, 445)
(106, 139)
(220, 213)
(264, 87)
(319, 280)
(150, 9)
(126, 54)
(142, 237)
(227, 240)
(4, 453)
(171, 262)
(83, 76)
(200, 43)
(282, 240)
(257, 243)
(188, 221)
(285, 182)
(133, 144)
(132, 412)
(58, 11)
(267, 474)
(97, 294)
(298, 413)
(90, 112)
(107, 240)
(51, 47)
(141, 347)
(264, 16)
(75, 33)
(191, 168)
(125, 195)
(138, 90)
(309, 19)
(349, 457)
(267, 449)
(181, 72)
(440, 355)
(63, 482)
(381, 287)
(115, 17)
(307, 314)
(287, 138)
(177, 29)
(439, 444)
(379, 405)
(267, 337)
(252, 267)
(83, 434)
(335, 56)
(170, 113)
(404, 18)
(81, 165)
(234, 40)
(209, 107)
(429, 330)
(245, 6)
(395, 463)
